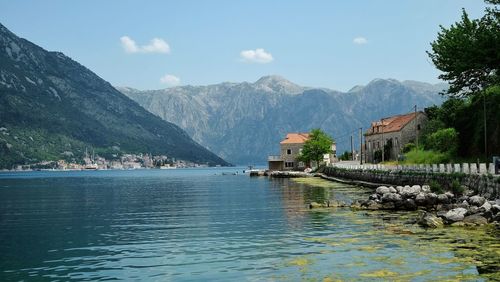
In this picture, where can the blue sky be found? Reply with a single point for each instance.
(334, 44)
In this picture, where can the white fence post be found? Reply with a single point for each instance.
(442, 169)
(465, 168)
(482, 168)
(473, 168)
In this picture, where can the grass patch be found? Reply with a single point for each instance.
(425, 157)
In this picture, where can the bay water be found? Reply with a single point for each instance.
(219, 224)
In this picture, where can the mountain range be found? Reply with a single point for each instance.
(52, 107)
(244, 122)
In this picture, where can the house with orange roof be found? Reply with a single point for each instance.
(394, 132)
(290, 149)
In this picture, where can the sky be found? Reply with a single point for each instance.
(158, 44)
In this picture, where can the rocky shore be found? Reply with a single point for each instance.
(438, 209)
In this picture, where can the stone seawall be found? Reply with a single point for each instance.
(485, 185)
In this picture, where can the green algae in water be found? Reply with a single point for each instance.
(382, 273)
(450, 253)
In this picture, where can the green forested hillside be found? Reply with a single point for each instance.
(52, 107)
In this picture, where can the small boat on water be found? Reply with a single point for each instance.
(167, 167)
(92, 166)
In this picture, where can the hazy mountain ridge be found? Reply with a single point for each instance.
(244, 122)
(45, 94)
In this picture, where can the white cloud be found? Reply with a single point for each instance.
(360, 40)
(170, 80)
(258, 55)
(156, 45)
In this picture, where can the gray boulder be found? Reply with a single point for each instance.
(473, 210)
(426, 199)
(399, 189)
(382, 190)
(457, 214)
(421, 199)
(432, 198)
(496, 217)
(495, 208)
(486, 207)
(408, 192)
(475, 220)
(391, 197)
(426, 188)
(393, 190)
(410, 205)
(373, 197)
(443, 199)
(449, 195)
(464, 204)
(477, 200)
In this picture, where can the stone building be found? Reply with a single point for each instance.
(393, 132)
(290, 149)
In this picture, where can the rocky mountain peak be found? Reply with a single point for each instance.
(279, 84)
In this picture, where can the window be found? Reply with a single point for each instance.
(288, 151)
(301, 164)
(288, 164)
(418, 126)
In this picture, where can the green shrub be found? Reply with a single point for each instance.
(409, 147)
(443, 140)
(456, 188)
(436, 187)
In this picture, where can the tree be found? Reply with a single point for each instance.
(444, 141)
(468, 53)
(346, 156)
(318, 144)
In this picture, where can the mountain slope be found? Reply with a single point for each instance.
(244, 122)
(51, 105)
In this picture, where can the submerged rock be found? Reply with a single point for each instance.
(315, 205)
(431, 221)
(475, 220)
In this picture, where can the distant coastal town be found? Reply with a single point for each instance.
(124, 162)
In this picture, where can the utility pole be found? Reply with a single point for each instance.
(383, 140)
(416, 126)
(360, 145)
(485, 132)
(352, 150)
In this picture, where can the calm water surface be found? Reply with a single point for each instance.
(198, 224)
